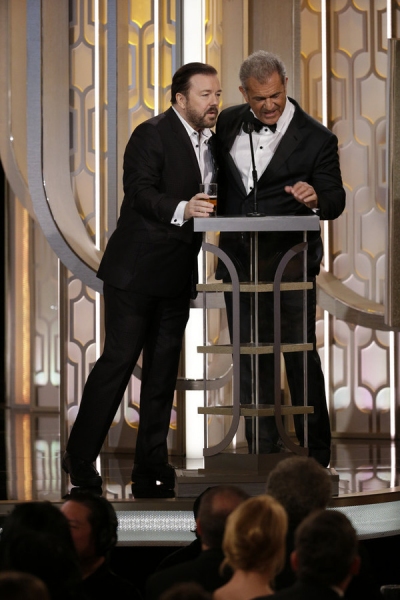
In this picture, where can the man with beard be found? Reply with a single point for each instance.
(149, 271)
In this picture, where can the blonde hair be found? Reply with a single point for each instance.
(255, 536)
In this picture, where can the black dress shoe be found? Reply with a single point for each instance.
(77, 490)
(154, 474)
(153, 481)
(81, 472)
(140, 490)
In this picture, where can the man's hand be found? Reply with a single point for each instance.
(198, 207)
(304, 193)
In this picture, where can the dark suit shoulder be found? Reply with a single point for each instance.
(233, 111)
(231, 114)
(204, 570)
(302, 590)
(152, 132)
(166, 120)
(302, 119)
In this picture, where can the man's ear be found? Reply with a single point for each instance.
(355, 566)
(294, 561)
(243, 92)
(198, 527)
(181, 100)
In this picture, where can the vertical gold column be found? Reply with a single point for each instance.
(22, 379)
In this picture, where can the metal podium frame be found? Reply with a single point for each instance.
(255, 225)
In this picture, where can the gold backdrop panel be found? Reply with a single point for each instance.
(356, 84)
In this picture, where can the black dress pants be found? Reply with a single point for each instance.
(319, 435)
(271, 251)
(133, 322)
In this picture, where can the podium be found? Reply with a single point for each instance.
(250, 470)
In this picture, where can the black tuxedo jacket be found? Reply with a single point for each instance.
(302, 590)
(146, 253)
(308, 151)
(204, 569)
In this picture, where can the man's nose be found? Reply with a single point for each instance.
(269, 103)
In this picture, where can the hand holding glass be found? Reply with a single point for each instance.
(211, 190)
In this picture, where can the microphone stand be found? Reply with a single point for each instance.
(254, 213)
(248, 127)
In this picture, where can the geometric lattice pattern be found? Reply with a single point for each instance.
(357, 64)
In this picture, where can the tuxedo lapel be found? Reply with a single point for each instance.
(229, 132)
(214, 157)
(232, 128)
(235, 174)
(287, 145)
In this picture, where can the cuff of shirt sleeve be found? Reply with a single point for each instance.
(178, 216)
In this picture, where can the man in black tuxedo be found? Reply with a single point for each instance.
(298, 173)
(207, 568)
(325, 558)
(149, 272)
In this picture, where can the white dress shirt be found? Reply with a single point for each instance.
(264, 143)
(203, 153)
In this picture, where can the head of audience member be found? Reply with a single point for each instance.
(196, 506)
(188, 590)
(93, 523)
(36, 539)
(255, 536)
(301, 485)
(216, 505)
(326, 550)
(22, 586)
(263, 85)
(196, 93)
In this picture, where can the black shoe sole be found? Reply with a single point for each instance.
(149, 476)
(152, 491)
(92, 482)
(148, 481)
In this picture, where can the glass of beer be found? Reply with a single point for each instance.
(211, 190)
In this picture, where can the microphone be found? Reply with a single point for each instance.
(249, 127)
(248, 122)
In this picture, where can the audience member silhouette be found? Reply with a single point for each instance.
(215, 506)
(186, 591)
(254, 547)
(325, 558)
(36, 539)
(94, 524)
(22, 586)
(188, 552)
(301, 485)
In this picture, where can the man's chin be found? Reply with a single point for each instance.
(268, 120)
(211, 120)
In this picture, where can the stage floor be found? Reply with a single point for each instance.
(368, 489)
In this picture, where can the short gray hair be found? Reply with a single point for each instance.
(301, 485)
(261, 65)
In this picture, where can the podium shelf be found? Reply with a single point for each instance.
(254, 287)
(241, 223)
(253, 349)
(250, 410)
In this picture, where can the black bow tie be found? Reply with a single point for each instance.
(258, 125)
